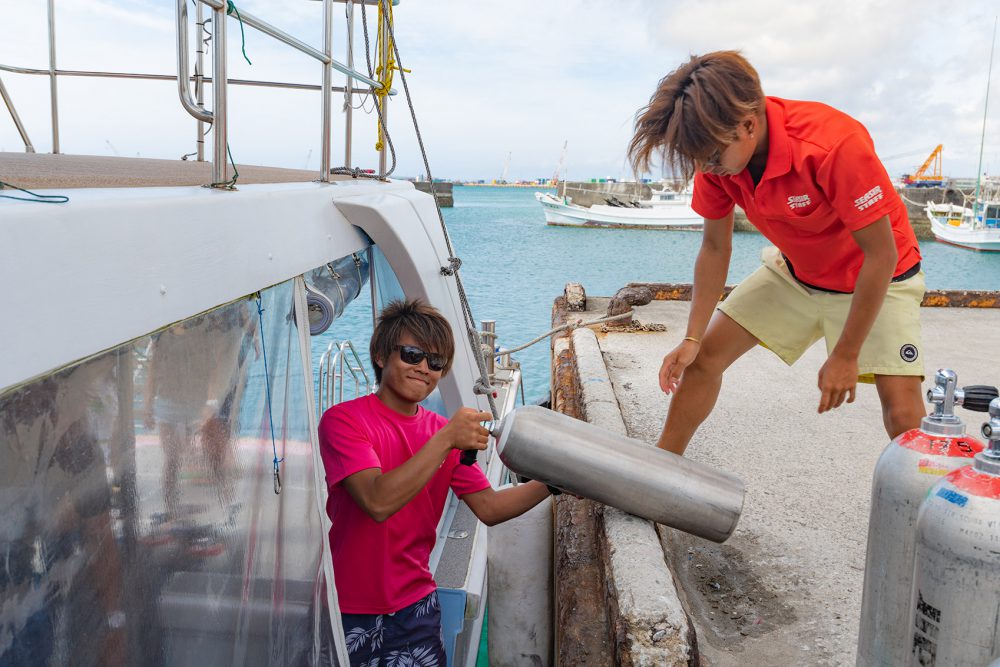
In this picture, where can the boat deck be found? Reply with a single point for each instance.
(786, 588)
(49, 172)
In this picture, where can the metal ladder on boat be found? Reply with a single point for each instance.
(339, 361)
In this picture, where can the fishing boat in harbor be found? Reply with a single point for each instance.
(976, 228)
(666, 209)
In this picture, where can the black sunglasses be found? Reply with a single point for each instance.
(414, 355)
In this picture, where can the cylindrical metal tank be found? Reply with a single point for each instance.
(955, 608)
(615, 470)
(909, 466)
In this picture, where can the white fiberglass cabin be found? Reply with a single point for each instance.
(162, 492)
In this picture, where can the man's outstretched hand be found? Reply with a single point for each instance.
(838, 379)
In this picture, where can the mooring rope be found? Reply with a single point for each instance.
(570, 326)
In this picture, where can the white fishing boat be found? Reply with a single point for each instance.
(163, 495)
(665, 210)
(975, 228)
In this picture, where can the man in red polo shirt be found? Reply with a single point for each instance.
(846, 266)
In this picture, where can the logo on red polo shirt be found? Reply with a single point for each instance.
(870, 198)
(799, 201)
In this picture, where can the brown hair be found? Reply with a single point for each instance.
(422, 321)
(695, 111)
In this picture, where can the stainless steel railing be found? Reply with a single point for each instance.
(335, 361)
(194, 104)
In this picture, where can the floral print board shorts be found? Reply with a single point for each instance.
(410, 636)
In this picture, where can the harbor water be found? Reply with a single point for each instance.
(514, 266)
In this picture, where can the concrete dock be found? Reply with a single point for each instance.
(786, 588)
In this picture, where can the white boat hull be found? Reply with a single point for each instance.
(678, 216)
(951, 225)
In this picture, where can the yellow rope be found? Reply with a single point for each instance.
(386, 62)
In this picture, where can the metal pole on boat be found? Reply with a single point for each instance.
(199, 79)
(220, 170)
(28, 148)
(324, 162)
(489, 334)
(383, 100)
(982, 138)
(53, 92)
(349, 87)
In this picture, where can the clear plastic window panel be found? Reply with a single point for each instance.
(140, 523)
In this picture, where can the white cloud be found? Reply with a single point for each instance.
(518, 77)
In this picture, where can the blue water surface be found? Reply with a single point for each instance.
(514, 266)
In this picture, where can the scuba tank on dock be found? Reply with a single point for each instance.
(622, 472)
(912, 463)
(955, 608)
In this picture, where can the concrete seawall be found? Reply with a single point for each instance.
(443, 191)
(785, 589)
(588, 194)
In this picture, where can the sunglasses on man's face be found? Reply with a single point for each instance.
(413, 355)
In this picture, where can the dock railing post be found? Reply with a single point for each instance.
(199, 79)
(28, 148)
(220, 169)
(349, 86)
(53, 88)
(383, 100)
(324, 167)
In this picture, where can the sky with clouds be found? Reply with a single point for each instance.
(515, 78)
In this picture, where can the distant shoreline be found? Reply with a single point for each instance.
(506, 185)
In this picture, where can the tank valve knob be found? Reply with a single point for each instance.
(991, 429)
(977, 397)
(944, 396)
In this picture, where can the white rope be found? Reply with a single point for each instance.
(921, 204)
(570, 326)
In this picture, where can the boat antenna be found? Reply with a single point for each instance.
(982, 139)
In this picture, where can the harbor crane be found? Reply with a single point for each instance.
(506, 166)
(929, 173)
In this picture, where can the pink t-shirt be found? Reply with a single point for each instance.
(382, 567)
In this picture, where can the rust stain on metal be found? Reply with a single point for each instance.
(674, 291)
(932, 299)
(581, 616)
(961, 299)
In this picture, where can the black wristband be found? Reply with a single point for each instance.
(553, 490)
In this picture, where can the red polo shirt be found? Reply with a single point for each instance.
(822, 181)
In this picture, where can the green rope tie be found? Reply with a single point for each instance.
(230, 10)
(231, 183)
(36, 198)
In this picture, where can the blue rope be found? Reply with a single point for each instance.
(267, 385)
(38, 199)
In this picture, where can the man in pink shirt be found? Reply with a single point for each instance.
(389, 465)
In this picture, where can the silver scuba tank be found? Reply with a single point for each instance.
(615, 470)
(912, 463)
(955, 608)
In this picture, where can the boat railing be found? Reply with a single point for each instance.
(338, 359)
(193, 103)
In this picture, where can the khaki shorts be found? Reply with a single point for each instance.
(788, 317)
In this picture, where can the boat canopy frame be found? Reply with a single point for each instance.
(193, 103)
